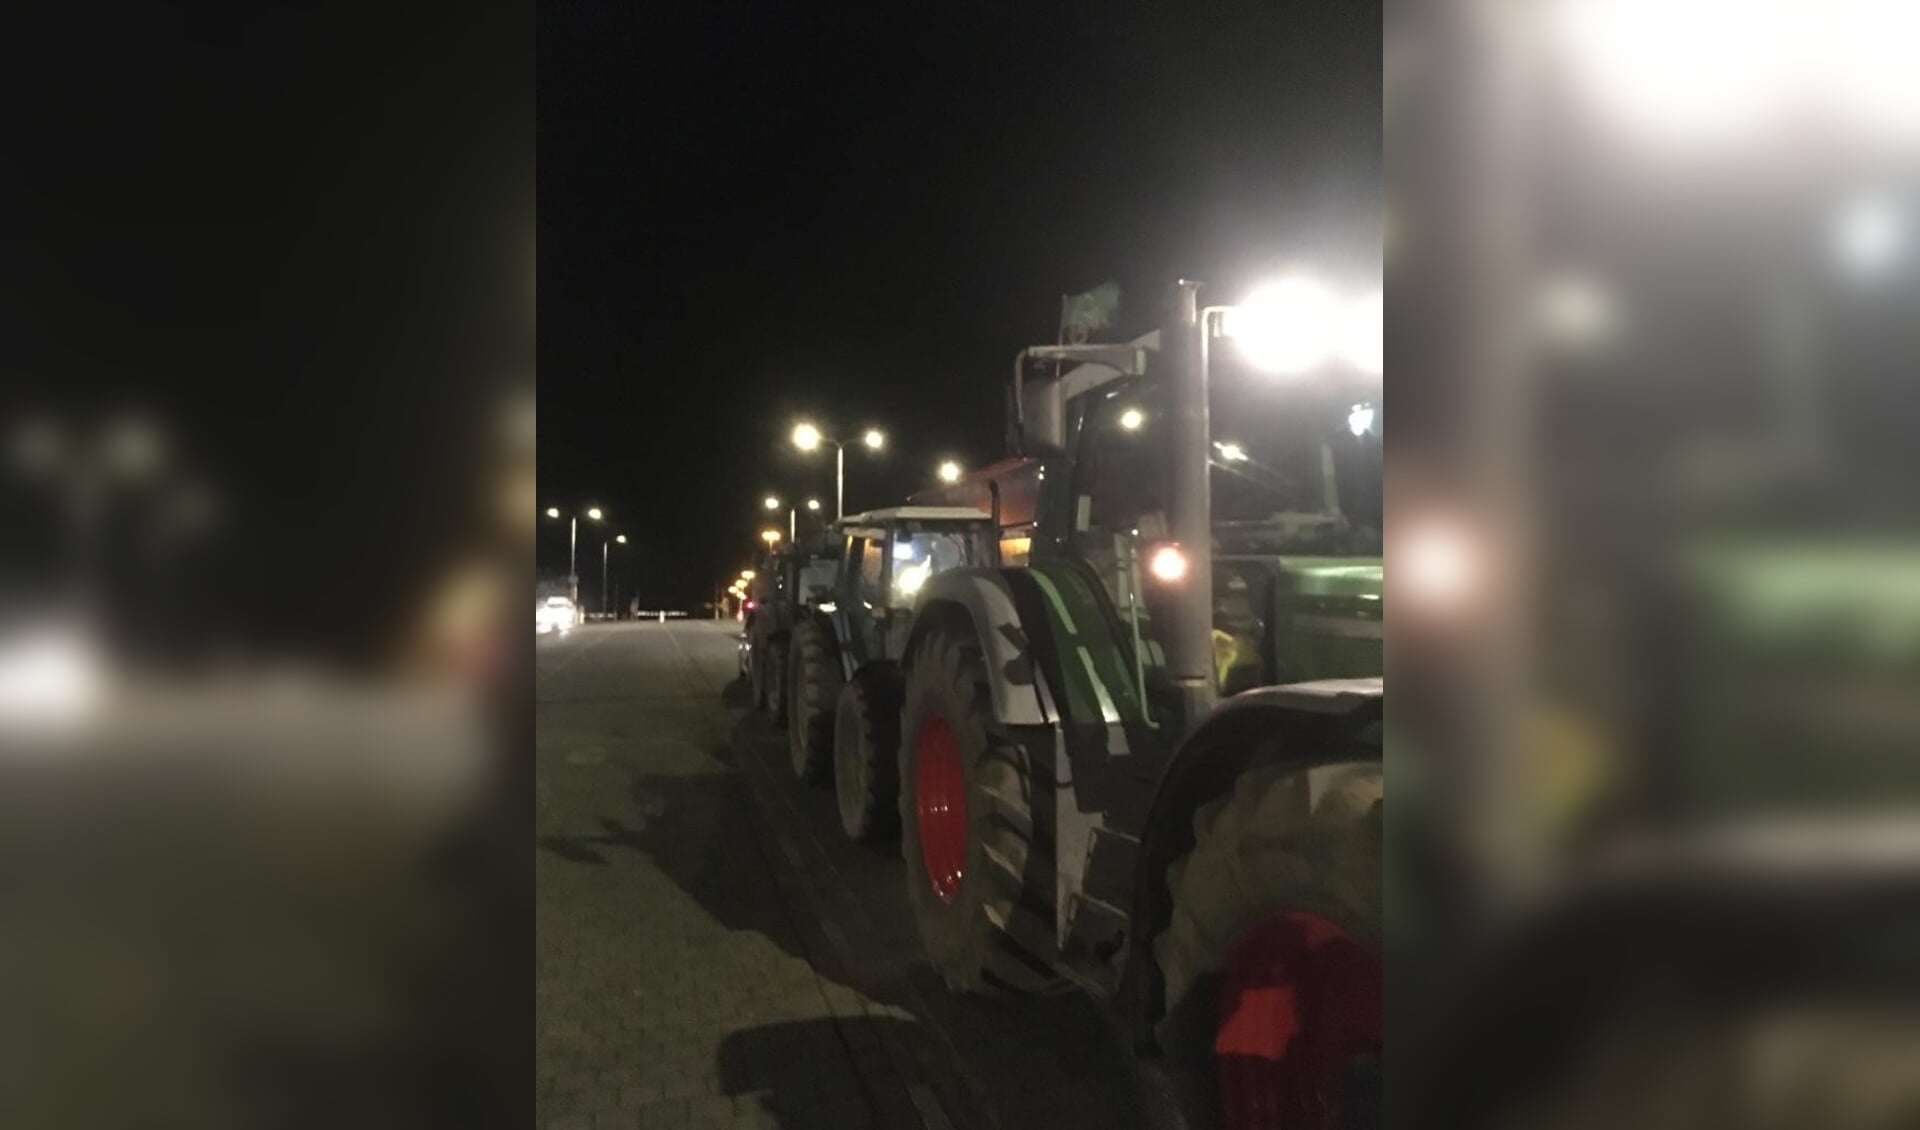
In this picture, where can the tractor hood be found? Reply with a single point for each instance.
(1289, 619)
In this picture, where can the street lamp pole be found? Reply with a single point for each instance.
(603, 575)
(839, 481)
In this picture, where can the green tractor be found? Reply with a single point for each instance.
(1141, 754)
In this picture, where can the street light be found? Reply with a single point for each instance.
(573, 545)
(813, 504)
(808, 437)
(622, 539)
(949, 472)
(771, 537)
(747, 574)
(793, 521)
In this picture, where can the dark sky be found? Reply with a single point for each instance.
(751, 211)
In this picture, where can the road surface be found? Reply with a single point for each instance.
(712, 952)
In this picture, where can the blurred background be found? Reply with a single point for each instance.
(1656, 558)
(266, 499)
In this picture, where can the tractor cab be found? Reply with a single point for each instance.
(882, 560)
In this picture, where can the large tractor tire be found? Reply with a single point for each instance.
(813, 693)
(980, 867)
(866, 755)
(775, 678)
(1271, 959)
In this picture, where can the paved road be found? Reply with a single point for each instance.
(713, 953)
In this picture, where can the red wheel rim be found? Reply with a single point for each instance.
(1300, 1002)
(940, 803)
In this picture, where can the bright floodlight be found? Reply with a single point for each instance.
(813, 504)
(594, 513)
(1286, 327)
(1168, 564)
(620, 538)
(949, 472)
(874, 439)
(806, 437)
(1232, 452)
(1365, 344)
(1132, 419)
(1360, 420)
(553, 511)
(771, 503)
(1717, 69)
(1868, 235)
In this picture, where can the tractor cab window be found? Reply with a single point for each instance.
(816, 578)
(867, 588)
(1120, 497)
(920, 552)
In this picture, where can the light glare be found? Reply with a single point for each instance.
(1168, 564)
(949, 472)
(1286, 327)
(1868, 235)
(874, 439)
(806, 437)
(1365, 346)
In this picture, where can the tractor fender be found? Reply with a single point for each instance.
(982, 599)
(1322, 723)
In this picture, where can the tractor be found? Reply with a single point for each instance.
(779, 587)
(1141, 750)
(844, 686)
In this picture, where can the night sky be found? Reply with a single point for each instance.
(750, 212)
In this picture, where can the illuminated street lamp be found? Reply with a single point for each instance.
(771, 537)
(573, 545)
(622, 539)
(793, 520)
(949, 472)
(808, 437)
(813, 505)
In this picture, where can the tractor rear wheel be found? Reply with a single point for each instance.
(1271, 958)
(980, 866)
(866, 755)
(813, 687)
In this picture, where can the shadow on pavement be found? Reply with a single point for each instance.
(825, 1073)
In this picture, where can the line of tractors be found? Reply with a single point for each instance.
(1118, 698)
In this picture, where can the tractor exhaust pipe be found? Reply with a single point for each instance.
(1189, 638)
